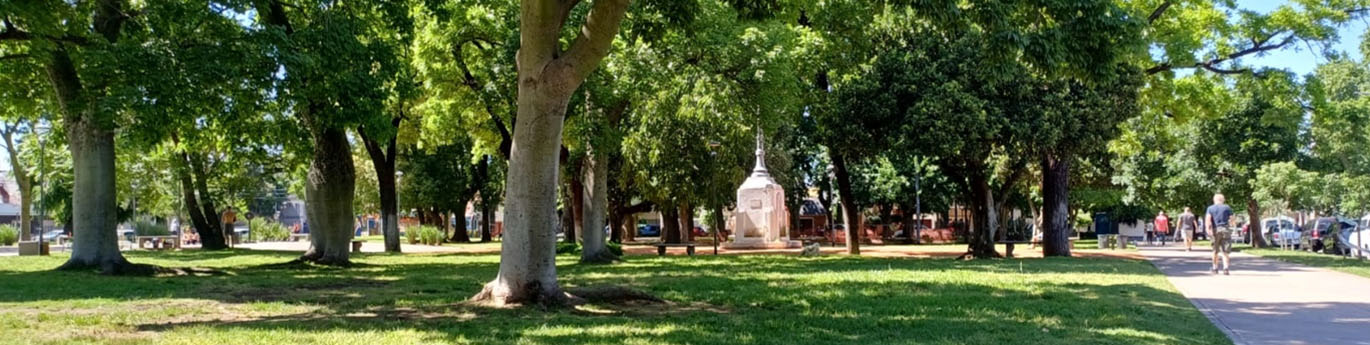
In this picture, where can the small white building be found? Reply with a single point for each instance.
(761, 219)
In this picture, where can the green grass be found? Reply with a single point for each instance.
(1348, 265)
(418, 299)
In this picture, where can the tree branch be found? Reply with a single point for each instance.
(1260, 45)
(14, 57)
(1155, 14)
(596, 36)
(506, 138)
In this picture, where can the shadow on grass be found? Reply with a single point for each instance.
(724, 300)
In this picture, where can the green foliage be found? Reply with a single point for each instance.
(568, 248)
(8, 235)
(411, 235)
(145, 227)
(261, 229)
(425, 234)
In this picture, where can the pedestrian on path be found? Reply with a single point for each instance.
(1218, 222)
(1162, 227)
(1188, 223)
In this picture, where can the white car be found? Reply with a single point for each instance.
(1281, 231)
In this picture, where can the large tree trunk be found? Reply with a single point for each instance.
(329, 192)
(850, 214)
(1253, 216)
(383, 161)
(719, 225)
(986, 219)
(203, 225)
(577, 204)
(568, 217)
(212, 236)
(670, 223)
(487, 216)
(1055, 205)
(547, 76)
(687, 222)
(593, 248)
(91, 141)
(527, 267)
(21, 178)
(459, 234)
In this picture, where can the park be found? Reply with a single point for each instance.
(685, 172)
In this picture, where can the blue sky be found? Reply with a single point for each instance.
(1301, 60)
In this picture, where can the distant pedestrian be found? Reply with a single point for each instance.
(229, 217)
(1218, 222)
(1188, 223)
(1162, 227)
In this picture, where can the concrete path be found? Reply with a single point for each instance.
(1266, 301)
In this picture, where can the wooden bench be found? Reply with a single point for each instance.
(159, 242)
(661, 248)
(297, 236)
(357, 246)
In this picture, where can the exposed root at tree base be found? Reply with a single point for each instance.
(971, 255)
(604, 257)
(532, 294)
(128, 269)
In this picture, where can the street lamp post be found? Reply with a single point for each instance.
(713, 153)
(42, 188)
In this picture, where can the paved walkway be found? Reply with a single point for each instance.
(1266, 301)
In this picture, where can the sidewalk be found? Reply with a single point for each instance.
(1267, 301)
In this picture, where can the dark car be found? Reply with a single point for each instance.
(1320, 232)
(648, 230)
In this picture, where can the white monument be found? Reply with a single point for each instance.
(761, 219)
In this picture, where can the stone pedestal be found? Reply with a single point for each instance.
(33, 248)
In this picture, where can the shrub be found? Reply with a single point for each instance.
(8, 235)
(430, 235)
(615, 248)
(412, 234)
(262, 229)
(568, 248)
(145, 227)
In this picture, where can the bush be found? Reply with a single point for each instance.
(568, 248)
(8, 235)
(145, 227)
(574, 248)
(430, 235)
(262, 229)
(412, 235)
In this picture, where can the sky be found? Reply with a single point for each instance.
(1301, 60)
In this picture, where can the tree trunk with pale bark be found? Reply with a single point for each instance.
(25, 183)
(986, 219)
(593, 246)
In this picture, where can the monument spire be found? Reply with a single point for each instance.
(760, 169)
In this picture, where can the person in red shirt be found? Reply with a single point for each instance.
(1162, 227)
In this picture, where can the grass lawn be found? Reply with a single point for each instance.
(1349, 265)
(418, 299)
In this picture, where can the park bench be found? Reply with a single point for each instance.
(296, 237)
(661, 248)
(159, 242)
(357, 246)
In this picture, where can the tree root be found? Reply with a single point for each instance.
(121, 267)
(603, 257)
(972, 255)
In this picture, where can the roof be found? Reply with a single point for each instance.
(812, 207)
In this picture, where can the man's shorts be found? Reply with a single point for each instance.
(1222, 240)
(1188, 234)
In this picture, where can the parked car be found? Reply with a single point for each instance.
(648, 230)
(1319, 233)
(1281, 231)
(55, 235)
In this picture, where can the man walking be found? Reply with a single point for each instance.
(1218, 223)
(1188, 223)
(1162, 227)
